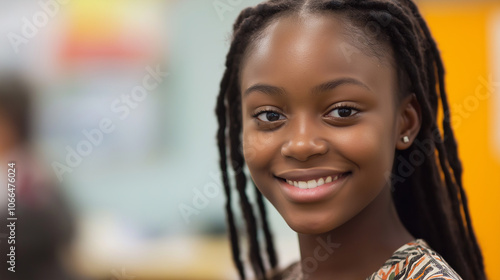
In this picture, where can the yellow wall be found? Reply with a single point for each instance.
(462, 31)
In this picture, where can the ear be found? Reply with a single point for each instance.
(409, 122)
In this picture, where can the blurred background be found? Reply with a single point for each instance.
(118, 177)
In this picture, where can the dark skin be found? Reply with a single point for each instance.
(310, 113)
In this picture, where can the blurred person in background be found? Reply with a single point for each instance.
(44, 227)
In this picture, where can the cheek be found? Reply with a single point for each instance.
(371, 148)
(259, 148)
(253, 145)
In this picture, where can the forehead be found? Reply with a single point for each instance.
(314, 44)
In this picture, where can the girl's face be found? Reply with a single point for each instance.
(320, 122)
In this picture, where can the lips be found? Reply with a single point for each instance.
(309, 185)
(314, 183)
(310, 178)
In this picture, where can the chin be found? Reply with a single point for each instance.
(310, 231)
(308, 225)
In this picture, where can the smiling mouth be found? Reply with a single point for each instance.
(314, 183)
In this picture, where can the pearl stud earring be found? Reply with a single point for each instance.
(406, 139)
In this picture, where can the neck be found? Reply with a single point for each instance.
(357, 248)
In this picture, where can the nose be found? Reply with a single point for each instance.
(304, 141)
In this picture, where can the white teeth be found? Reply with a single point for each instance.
(311, 184)
(321, 181)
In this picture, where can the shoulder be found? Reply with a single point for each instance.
(415, 260)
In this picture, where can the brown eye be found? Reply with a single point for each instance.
(270, 116)
(343, 112)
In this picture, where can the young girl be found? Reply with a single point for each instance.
(333, 107)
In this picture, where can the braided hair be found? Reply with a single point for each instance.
(430, 200)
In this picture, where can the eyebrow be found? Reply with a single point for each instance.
(272, 90)
(338, 82)
(267, 89)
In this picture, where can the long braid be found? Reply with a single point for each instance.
(246, 206)
(448, 132)
(452, 148)
(240, 178)
(221, 140)
(418, 57)
(449, 141)
(448, 157)
(271, 253)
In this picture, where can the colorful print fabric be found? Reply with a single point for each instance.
(415, 261)
(412, 261)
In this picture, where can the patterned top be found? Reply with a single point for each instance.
(413, 261)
